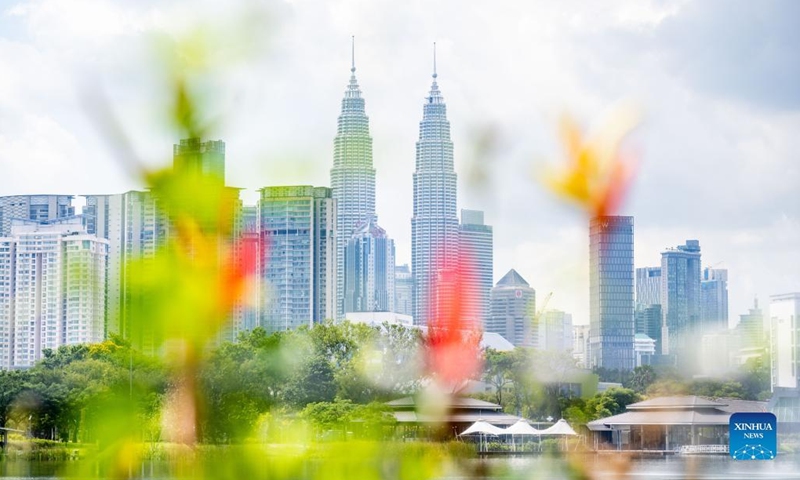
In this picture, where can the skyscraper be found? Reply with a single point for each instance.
(714, 299)
(611, 301)
(52, 289)
(352, 175)
(555, 331)
(648, 321)
(751, 328)
(135, 228)
(38, 208)
(369, 260)
(298, 258)
(196, 156)
(680, 300)
(403, 290)
(476, 246)
(513, 304)
(648, 286)
(434, 226)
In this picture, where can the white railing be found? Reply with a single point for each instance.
(701, 449)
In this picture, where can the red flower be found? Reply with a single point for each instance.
(454, 327)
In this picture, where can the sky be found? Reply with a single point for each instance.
(717, 85)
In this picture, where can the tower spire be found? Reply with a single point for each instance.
(434, 61)
(353, 53)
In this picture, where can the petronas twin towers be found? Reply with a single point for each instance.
(434, 226)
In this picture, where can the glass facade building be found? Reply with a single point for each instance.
(369, 280)
(352, 177)
(476, 246)
(714, 299)
(680, 297)
(434, 226)
(611, 297)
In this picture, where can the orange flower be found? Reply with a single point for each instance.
(452, 343)
(597, 176)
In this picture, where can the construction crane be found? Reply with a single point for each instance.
(537, 315)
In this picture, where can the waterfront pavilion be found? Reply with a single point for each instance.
(669, 424)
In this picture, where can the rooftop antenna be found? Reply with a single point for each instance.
(434, 60)
(353, 54)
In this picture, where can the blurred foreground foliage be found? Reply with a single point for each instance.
(328, 374)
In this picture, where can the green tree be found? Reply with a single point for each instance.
(642, 378)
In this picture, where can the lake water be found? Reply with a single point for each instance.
(595, 467)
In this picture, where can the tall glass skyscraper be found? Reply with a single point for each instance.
(352, 176)
(369, 280)
(611, 319)
(434, 226)
(714, 299)
(680, 299)
(476, 241)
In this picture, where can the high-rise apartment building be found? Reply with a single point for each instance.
(52, 277)
(513, 304)
(369, 280)
(298, 261)
(680, 300)
(135, 229)
(39, 208)
(648, 286)
(199, 157)
(434, 226)
(714, 299)
(246, 311)
(352, 176)
(476, 248)
(403, 290)
(611, 298)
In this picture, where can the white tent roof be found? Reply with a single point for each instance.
(561, 427)
(482, 427)
(521, 428)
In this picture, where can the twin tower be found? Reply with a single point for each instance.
(434, 225)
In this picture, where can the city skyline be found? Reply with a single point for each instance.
(749, 223)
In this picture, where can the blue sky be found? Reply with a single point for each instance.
(718, 85)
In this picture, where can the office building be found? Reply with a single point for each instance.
(369, 280)
(648, 286)
(52, 277)
(513, 304)
(648, 321)
(714, 299)
(644, 348)
(403, 290)
(352, 176)
(680, 300)
(752, 328)
(476, 248)
(298, 261)
(39, 208)
(611, 297)
(434, 226)
(555, 331)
